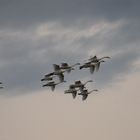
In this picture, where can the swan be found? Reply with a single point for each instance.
(57, 71)
(67, 67)
(80, 85)
(92, 66)
(85, 93)
(94, 59)
(71, 90)
(52, 84)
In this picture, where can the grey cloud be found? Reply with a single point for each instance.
(125, 36)
(116, 69)
(25, 58)
(31, 12)
(28, 63)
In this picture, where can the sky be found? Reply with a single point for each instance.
(34, 34)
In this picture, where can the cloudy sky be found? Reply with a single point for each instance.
(34, 34)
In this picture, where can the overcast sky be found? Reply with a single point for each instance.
(34, 34)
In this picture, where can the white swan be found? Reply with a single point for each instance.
(94, 59)
(80, 85)
(71, 90)
(52, 84)
(85, 93)
(57, 71)
(92, 66)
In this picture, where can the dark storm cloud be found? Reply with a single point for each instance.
(29, 12)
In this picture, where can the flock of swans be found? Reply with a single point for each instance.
(93, 64)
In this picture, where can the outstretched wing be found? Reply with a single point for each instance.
(98, 66)
(48, 75)
(52, 82)
(61, 77)
(92, 68)
(92, 58)
(74, 95)
(52, 87)
(56, 67)
(84, 96)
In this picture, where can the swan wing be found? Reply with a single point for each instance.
(98, 66)
(68, 70)
(92, 68)
(52, 87)
(48, 75)
(74, 95)
(84, 97)
(61, 77)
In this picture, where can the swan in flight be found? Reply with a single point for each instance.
(94, 59)
(67, 67)
(71, 90)
(80, 85)
(52, 84)
(92, 66)
(85, 93)
(57, 72)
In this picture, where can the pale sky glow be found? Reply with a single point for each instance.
(112, 114)
(36, 34)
